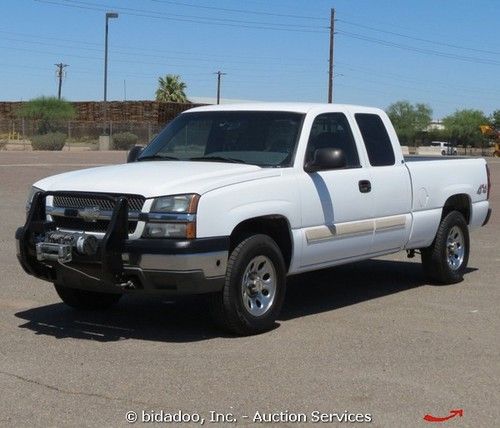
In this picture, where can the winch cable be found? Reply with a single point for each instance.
(78, 271)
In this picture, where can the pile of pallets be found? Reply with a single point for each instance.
(117, 111)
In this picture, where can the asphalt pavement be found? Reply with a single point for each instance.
(371, 339)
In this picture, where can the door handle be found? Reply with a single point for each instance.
(365, 186)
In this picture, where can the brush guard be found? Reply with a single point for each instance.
(41, 245)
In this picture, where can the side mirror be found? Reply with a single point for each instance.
(134, 153)
(325, 159)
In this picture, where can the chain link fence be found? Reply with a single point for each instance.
(17, 134)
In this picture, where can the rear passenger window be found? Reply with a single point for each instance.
(331, 130)
(377, 141)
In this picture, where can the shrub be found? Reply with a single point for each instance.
(3, 143)
(124, 141)
(50, 141)
(49, 113)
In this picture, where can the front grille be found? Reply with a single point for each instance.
(135, 203)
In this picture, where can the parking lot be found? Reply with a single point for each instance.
(371, 338)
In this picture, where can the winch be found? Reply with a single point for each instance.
(59, 246)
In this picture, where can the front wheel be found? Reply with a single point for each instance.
(446, 259)
(86, 300)
(254, 288)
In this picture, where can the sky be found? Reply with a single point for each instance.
(445, 53)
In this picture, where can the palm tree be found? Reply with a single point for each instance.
(171, 89)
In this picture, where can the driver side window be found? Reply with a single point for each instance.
(190, 140)
(332, 130)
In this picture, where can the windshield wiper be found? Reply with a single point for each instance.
(217, 159)
(157, 157)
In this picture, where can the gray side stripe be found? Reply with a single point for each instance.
(353, 228)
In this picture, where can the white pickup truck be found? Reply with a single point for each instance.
(443, 148)
(230, 200)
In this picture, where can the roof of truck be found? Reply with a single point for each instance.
(292, 107)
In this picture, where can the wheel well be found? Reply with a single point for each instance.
(275, 226)
(460, 203)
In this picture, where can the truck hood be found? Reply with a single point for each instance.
(156, 178)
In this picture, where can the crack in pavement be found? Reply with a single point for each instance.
(78, 393)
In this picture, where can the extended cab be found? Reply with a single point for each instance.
(229, 200)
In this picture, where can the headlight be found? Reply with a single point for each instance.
(176, 204)
(172, 217)
(31, 195)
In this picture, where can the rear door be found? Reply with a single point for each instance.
(390, 184)
(336, 209)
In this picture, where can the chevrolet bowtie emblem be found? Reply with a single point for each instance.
(90, 214)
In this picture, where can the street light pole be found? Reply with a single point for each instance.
(109, 15)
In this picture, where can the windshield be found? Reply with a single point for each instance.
(262, 138)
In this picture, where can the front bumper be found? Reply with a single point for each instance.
(168, 266)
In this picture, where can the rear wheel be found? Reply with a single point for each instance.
(446, 259)
(254, 289)
(86, 300)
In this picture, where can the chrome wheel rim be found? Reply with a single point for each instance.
(455, 248)
(258, 286)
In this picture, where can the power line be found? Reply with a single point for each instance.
(234, 69)
(187, 18)
(47, 52)
(406, 79)
(474, 60)
(194, 59)
(36, 42)
(269, 26)
(238, 72)
(245, 11)
(256, 25)
(169, 15)
(450, 45)
(155, 51)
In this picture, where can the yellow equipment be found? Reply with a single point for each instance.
(494, 135)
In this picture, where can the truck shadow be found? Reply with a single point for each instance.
(187, 319)
(346, 285)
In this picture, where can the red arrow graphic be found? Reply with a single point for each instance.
(453, 413)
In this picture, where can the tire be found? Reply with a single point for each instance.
(254, 289)
(86, 300)
(445, 261)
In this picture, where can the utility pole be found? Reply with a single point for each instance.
(219, 74)
(60, 75)
(330, 65)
